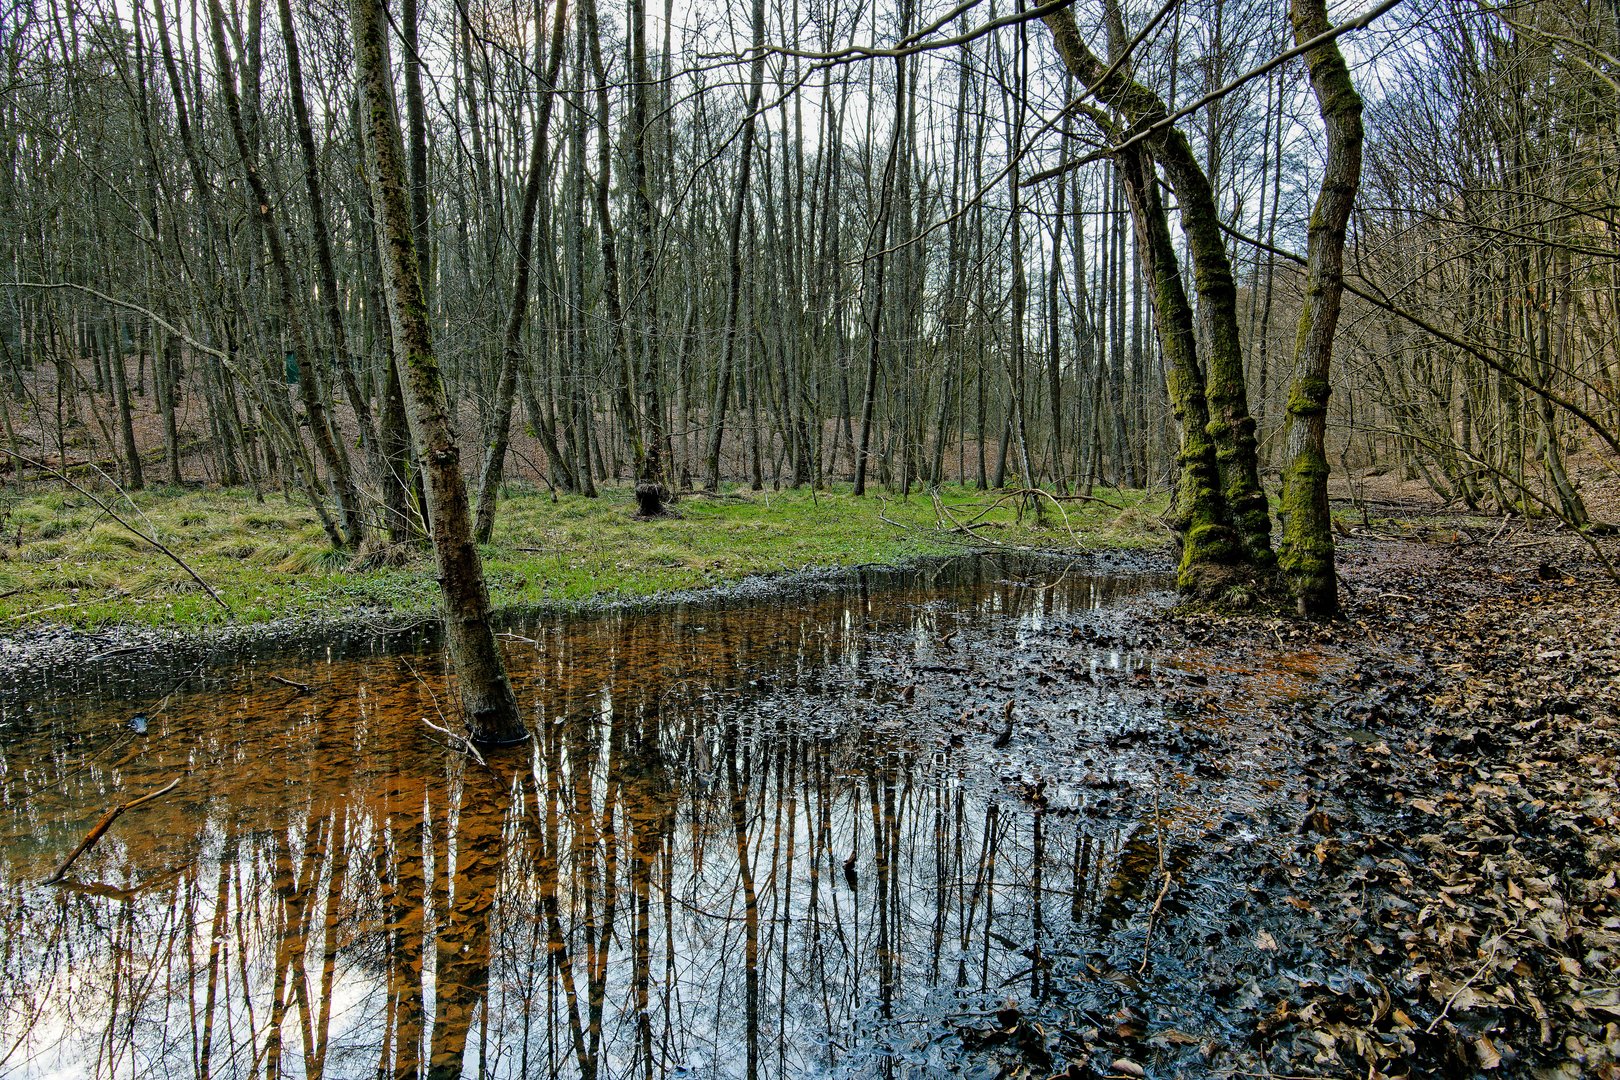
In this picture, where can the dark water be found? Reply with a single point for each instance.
(744, 842)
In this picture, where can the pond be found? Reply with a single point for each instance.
(780, 838)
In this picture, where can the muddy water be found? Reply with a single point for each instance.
(775, 840)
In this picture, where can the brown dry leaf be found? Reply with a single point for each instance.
(1127, 1067)
(1486, 1053)
(1171, 1035)
(1264, 940)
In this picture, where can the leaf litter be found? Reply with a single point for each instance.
(1388, 844)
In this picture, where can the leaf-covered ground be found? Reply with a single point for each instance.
(1402, 864)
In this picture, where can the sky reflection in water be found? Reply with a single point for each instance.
(738, 846)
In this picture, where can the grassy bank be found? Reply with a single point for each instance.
(64, 560)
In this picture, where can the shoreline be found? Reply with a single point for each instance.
(57, 659)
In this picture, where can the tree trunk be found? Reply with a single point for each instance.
(734, 264)
(1209, 546)
(331, 451)
(1230, 426)
(126, 424)
(874, 322)
(489, 480)
(1208, 516)
(1306, 552)
(490, 709)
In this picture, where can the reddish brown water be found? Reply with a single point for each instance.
(742, 843)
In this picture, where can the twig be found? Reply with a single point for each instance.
(1147, 939)
(462, 739)
(883, 516)
(1500, 530)
(1164, 887)
(103, 825)
(512, 636)
(1490, 958)
(302, 688)
(1077, 497)
(966, 529)
(466, 743)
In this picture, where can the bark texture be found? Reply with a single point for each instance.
(1221, 513)
(489, 706)
(1200, 516)
(1306, 551)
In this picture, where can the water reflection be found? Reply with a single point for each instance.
(735, 848)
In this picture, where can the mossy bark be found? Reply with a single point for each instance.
(490, 708)
(1230, 426)
(1306, 553)
(1220, 513)
(1209, 545)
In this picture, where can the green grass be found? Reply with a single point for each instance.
(63, 560)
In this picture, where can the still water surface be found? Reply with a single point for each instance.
(743, 843)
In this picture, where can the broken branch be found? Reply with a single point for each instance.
(103, 825)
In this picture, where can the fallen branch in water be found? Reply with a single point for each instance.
(466, 743)
(103, 825)
(302, 688)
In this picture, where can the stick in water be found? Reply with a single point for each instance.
(103, 825)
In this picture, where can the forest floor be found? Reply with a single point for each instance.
(1384, 846)
(1399, 861)
(66, 561)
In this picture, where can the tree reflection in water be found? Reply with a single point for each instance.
(734, 848)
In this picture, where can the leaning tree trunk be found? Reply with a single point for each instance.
(1230, 425)
(331, 451)
(1306, 552)
(1210, 546)
(734, 263)
(490, 708)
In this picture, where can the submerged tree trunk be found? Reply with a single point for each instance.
(489, 706)
(1306, 552)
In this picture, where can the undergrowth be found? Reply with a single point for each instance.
(65, 560)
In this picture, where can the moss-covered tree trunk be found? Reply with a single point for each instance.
(1209, 545)
(1230, 425)
(489, 706)
(1221, 513)
(1306, 551)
